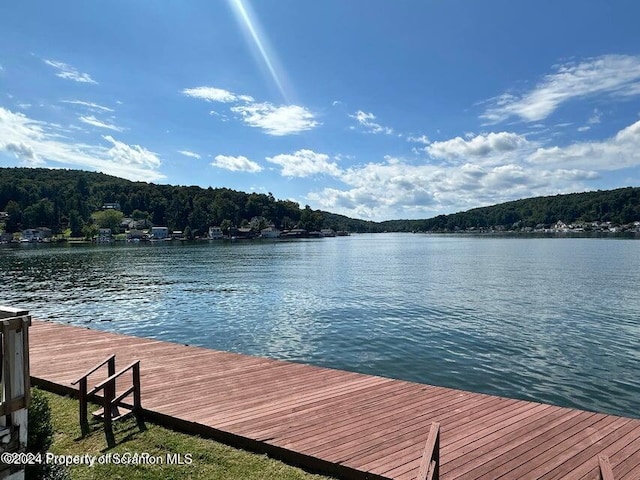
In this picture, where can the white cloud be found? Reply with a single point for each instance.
(616, 75)
(305, 163)
(594, 119)
(395, 189)
(68, 72)
(23, 152)
(212, 94)
(620, 151)
(188, 153)
(37, 141)
(490, 168)
(90, 105)
(236, 164)
(478, 146)
(366, 120)
(423, 139)
(274, 120)
(91, 120)
(277, 121)
(131, 154)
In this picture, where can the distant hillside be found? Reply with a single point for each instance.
(620, 206)
(66, 199)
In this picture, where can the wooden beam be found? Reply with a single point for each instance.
(90, 371)
(430, 462)
(606, 472)
(112, 377)
(13, 405)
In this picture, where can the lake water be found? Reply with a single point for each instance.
(554, 320)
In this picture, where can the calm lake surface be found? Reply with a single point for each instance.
(554, 320)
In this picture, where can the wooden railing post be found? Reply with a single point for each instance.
(606, 472)
(107, 400)
(430, 462)
(82, 398)
(137, 405)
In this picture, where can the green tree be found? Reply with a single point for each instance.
(109, 219)
(15, 216)
(75, 223)
(225, 225)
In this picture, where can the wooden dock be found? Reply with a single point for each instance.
(346, 424)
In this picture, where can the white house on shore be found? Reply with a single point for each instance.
(215, 233)
(104, 235)
(159, 233)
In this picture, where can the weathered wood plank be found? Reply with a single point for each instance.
(344, 423)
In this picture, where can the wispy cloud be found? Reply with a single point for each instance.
(423, 139)
(213, 94)
(620, 151)
(68, 72)
(276, 120)
(188, 153)
(366, 120)
(133, 155)
(236, 164)
(37, 142)
(23, 152)
(89, 105)
(615, 75)
(305, 163)
(91, 120)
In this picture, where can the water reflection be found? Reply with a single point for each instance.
(552, 320)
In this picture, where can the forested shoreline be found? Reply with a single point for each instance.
(67, 201)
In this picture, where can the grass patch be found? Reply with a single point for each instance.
(210, 459)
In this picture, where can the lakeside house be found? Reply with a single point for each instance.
(104, 235)
(215, 233)
(135, 236)
(159, 233)
(270, 232)
(33, 235)
(111, 206)
(327, 232)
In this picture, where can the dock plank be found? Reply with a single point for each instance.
(346, 424)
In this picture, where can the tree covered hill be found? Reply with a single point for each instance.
(620, 206)
(62, 199)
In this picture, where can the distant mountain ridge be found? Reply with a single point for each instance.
(65, 199)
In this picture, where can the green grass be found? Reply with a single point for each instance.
(210, 459)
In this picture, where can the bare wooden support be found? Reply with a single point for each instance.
(606, 472)
(430, 463)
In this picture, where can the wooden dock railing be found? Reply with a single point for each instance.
(111, 404)
(430, 463)
(606, 472)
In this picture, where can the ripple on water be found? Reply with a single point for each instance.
(541, 319)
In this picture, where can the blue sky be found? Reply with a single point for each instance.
(373, 109)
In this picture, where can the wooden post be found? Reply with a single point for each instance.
(15, 386)
(606, 472)
(106, 402)
(110, 388)
(82, 398)
(430, 462)
(137, 405)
